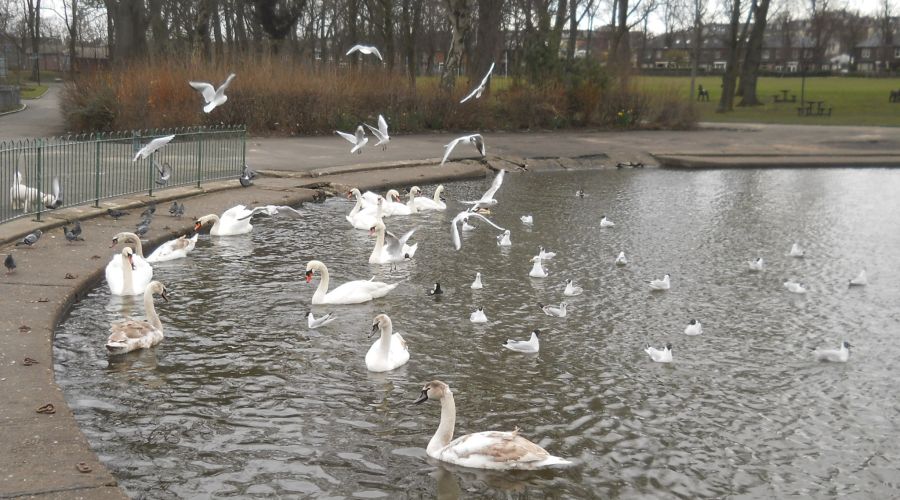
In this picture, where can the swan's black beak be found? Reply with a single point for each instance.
(309, 275)
(374, 329)
(164, 295)
(422, 397)
(131, 262)
(115, 241)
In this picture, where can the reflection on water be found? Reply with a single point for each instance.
(240, 399)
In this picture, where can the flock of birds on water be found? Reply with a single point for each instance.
(129, 273)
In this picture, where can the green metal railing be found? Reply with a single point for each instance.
(94, 167)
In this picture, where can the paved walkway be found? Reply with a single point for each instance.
(40, 118)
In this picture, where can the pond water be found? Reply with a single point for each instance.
(241, 399)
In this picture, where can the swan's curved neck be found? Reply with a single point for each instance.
(412, 202)
(437, 196)
(214, 218)
(444, 433)
(379, 242)
(127, 276)
(358, 206)
(386, 333)
(322, 290)
(133, 238)
(150, 310)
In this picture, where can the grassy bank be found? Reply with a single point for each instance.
(274, 98)
(854, 101)
(31, 90)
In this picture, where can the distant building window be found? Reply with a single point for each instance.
(866, 53)
(896, 52)
(765, 55)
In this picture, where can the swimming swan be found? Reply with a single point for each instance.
(128, 335)
(127, 274)
(234, 221)
(352, 292)
(174, 249)
(389, 351)
(434, 203)
(481, 450)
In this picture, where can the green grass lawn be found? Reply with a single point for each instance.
(854, 101)
(31, 90)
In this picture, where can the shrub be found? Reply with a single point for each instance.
(271, 96)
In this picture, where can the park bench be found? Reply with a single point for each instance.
(895, 96)
(820, 109)
(784, 97)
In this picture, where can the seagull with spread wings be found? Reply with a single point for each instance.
(487, 199)
(481, 86)
(454, 232)
(213, 96)
(381, 133)
(365, 49)
(359, 140)
(269, 210)
(475, 139)
(152, 147)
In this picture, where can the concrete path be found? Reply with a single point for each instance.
(41, 118)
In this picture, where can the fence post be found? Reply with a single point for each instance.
(243, 150)
(97, 173)
(150, 175)
(40, 201)
(199, 157)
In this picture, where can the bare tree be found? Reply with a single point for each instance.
(459, 14)
(886, 31)
(736, 34)
(753, 54)
(699, 11)
(33, 21)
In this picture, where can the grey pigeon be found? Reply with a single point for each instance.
(10, 263)
(115, 214)
(173, 208)
(142, 229)
(77, 229)
(180, 211)
(247, 176)
(31, 239)
(150, 210)
(164, 171)
(70, 234)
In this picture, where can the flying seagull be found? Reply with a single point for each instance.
(270, 210)
(454, 232)
(213, 96)
(481, 86)
(152, 146)
(381, 133)
(365, 49)
(487, 199)
(359, 140)
(475, 139)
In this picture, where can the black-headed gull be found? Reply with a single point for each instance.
(796, 251)
(529, 346)
(323, 320)
(621, 260)
(553, 310)
(503, 239)
(478, 316)
(454, 232)
(269, 210)
(365, 49)
(152, 147)
(380, 133)
(794, 287)
(605, 222)
(756, 265)
(537, 270)
(476, 285)
(663, 355)
(693, 328)
(481, 86)
(359, 140)
(662, 284)
(840, 355)
(475, 139)
(572, 290)
(860, 279)
(213, 96)
(487, 199)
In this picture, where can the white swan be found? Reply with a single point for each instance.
(693, 328)
(537, 270)
(126, 336)
(389, 351)
(621, 260)
(529, 346)
(476, 285)
(392, 207)
(481, 450)
(352, 292)
(128, 275)
(840, 355)
(796, 251)
(663, 355)
(313, 322)
(433, 203)
(528, 220)
(173, 249)
(662, 284)
(572, 290)
(794, 287)
(604, 222)
(478, 316)
(234, 221)
(503, 240)
(756, 265)
(396, 249)
(361, 217)
(860, 279)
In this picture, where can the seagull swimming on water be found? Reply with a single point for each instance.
(756, 265)
(313, 322)
(478, 316)
(476, 285)
(693, 328)
(481, 86)
(796, 251)
(555, 311)
(662, 284)
(529, 346)
(436, 290)
(271, 210)
(359, 140)
(475, 139)
(663, 355)
(365, 49)
(213, 96)
(572, 290)
(840, 355)
(860, 279)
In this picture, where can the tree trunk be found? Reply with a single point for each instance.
(490, 17)
(697, 43)
(352, 27)
(459, 13)
(73, 40)
(753, 56)
(729, 79)
(200, 33)
(33, 13)
(131, 40)
(573, 30)
(620, 52)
